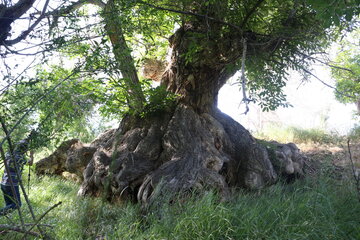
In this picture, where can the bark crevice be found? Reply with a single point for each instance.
(181, 151)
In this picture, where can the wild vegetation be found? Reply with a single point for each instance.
(324, 205)
(77, 58)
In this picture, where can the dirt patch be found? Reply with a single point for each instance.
(333, 159)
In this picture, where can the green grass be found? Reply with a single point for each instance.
(321, 208)
(299, 135)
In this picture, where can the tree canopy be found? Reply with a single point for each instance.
(90, 53)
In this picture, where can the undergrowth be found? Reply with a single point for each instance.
(315, 208)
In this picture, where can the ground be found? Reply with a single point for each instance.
(324, 205)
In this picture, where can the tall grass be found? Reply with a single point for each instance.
(315, 208)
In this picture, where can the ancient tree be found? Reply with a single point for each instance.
(174, 139)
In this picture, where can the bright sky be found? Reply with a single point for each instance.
(314, 106)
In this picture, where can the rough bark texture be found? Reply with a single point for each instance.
(175, 152)
(72, 156)
(192, 146)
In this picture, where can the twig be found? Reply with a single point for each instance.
(76, 70)
(192, 14)
(243, 77)
(7, 227)
(357, 178)
(4, 89)
(326, 63)
(42, 216)
(326, 84)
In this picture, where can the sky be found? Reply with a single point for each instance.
(314, 106)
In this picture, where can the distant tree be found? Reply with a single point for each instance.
(346, 70)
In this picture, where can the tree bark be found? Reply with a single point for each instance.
(123, 56)
(193, 145)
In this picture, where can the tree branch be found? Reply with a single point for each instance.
(24, 34)
(243, 77)
(40, 218)
(68, 9)
(251, 12)
(19, 8)
(122, 53)
(326, 63)
(326, 84)
(10, 14)
(6, 227)
(192, 14)
(7, 136)
(56, 13)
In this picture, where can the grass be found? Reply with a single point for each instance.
(315, 208)
(299, 135)
(320, 207)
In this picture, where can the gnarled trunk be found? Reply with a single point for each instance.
(192, 146)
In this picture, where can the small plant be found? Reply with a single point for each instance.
(159, 100)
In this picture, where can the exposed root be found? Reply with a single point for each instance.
(182, 151)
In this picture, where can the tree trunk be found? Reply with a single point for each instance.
(193, 146)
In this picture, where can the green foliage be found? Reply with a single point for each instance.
(158, 100)
(66, 98)
(319, 208)
(347, 69)
(338, 12)
(278, 32)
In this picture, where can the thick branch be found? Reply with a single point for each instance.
(123, 56)
(24, 34)
(19, 8)
(9, 14)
